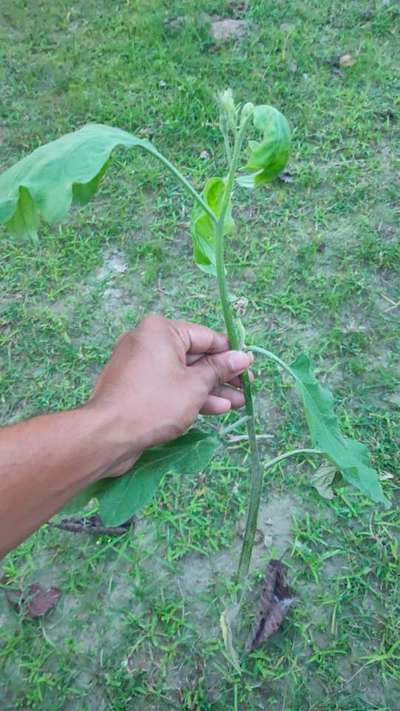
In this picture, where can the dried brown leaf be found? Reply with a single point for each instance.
(275, 600)
(93, 525)
(36, 601)
(40, 600)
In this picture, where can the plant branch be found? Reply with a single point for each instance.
(186, 184)
(234, 426)
(293, 453)
(272, 356)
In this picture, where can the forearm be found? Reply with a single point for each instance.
(44, 462)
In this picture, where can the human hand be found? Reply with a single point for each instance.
(160, 376)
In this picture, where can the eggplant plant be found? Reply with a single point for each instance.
(44, 184)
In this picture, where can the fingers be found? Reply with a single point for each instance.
(217, 402)
(200, 339)
(237, 383)
(215, 405)
(215, 370)
(235, 397)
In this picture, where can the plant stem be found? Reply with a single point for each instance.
(272, 356)
(256, 473)
(185, 183)
(234, 425)
(293, 453)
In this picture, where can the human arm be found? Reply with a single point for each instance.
(160, 376)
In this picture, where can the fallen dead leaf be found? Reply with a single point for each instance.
(275, 600)
(36, 601)
(93, 525)
(346, 60)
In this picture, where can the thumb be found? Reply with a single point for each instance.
(221, 368)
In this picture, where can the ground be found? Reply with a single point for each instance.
(316, 262)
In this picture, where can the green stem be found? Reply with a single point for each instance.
(272, 356)
(185, 183)
(293, 453)
(256, 473)
(234, 426)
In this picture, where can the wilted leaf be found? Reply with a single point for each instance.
(275, 600)
(121, 497)
(36, 601)
(45, 183)
(350, 457)
(269, 157)
(203, 228)
(322, 479)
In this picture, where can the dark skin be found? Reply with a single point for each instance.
(159, 378)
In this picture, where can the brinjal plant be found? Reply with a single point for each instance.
(256, 139)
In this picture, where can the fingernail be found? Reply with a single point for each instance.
(238, 360)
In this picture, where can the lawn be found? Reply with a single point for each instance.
(137, 624)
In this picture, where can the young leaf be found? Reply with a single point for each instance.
(203, 228)
(351, 457)
(268, 157)
(46, 182)
(121, 497)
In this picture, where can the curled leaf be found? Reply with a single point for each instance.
(203, 228)
(268, 157)
(44, 184)
(275, 600)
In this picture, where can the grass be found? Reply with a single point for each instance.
(317, 261)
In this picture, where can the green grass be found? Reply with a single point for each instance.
(318, 262)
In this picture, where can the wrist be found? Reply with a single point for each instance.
(116, 449)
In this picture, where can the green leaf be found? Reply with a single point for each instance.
(81, 500)
(121, 497)
(203, 228)
(269, 156)
(45, 183)
(351, 457)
